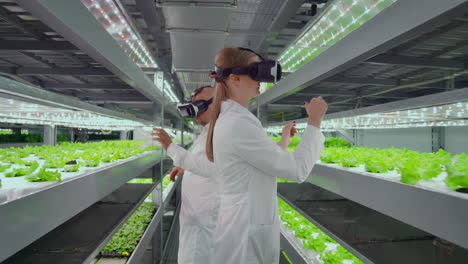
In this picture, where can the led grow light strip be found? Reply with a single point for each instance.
(14, 111)
(293, 58)
(112, 19)
(441, 115)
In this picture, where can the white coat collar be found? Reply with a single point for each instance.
(230, 104)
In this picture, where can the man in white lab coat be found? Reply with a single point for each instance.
(200, 197)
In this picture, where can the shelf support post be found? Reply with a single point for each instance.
(50, 135)
(123, 135)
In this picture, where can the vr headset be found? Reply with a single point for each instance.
(195, 108)
(268, 71)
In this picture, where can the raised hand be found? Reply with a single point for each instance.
(316, 109)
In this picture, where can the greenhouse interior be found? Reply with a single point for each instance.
(85, 83)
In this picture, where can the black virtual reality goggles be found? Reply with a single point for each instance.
(193, 109)
(268, 71)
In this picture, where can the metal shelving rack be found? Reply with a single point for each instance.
(377, 219)
(378, 63)
(145, 241)
(80, 239)
(347, 195)
(71, 63)
(37, 211)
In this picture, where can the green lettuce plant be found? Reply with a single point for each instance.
(336, 142)
(71, 168)
(128, 236)
(4, 167)
(44, 176)
(337, 256)
(18, 172)
(457, 172)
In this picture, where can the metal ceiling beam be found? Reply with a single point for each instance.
(366, 81)
(74, 22)
(461, 44)
(302, 17)
(87, 86)
(73, 71)
(36, 46)
(351, 92)
(370, 39)
(295, 25)
(418, 62)
(154, 19)
(111, 97)
(413, 43)
(16, 22)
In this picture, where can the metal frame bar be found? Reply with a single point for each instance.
(36, 46)
(81, 192)
(88, 86)
(418, 62)
(370, 39)
(62, 71)
(75, 23)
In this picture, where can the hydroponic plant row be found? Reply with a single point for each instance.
(440, 170)
(317, 245)
(124, 242)
(50, 163)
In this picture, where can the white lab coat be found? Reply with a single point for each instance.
(249, 163)
(200, 202)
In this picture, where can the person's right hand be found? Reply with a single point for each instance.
(175, 172)
(316, 109)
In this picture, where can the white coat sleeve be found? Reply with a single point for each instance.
(195, 163)
(253, 145)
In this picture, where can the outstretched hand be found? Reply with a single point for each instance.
(162, 137)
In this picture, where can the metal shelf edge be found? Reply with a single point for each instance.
(440, 213)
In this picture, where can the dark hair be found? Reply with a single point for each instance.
(198, 91)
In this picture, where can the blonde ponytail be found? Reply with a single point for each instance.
(220, 96)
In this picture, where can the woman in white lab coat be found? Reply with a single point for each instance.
(249, 163)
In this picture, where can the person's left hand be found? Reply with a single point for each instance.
(176, 172)
(162, 137)
(289, 131)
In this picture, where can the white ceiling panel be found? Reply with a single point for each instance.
(195, 51)
(201, 18)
